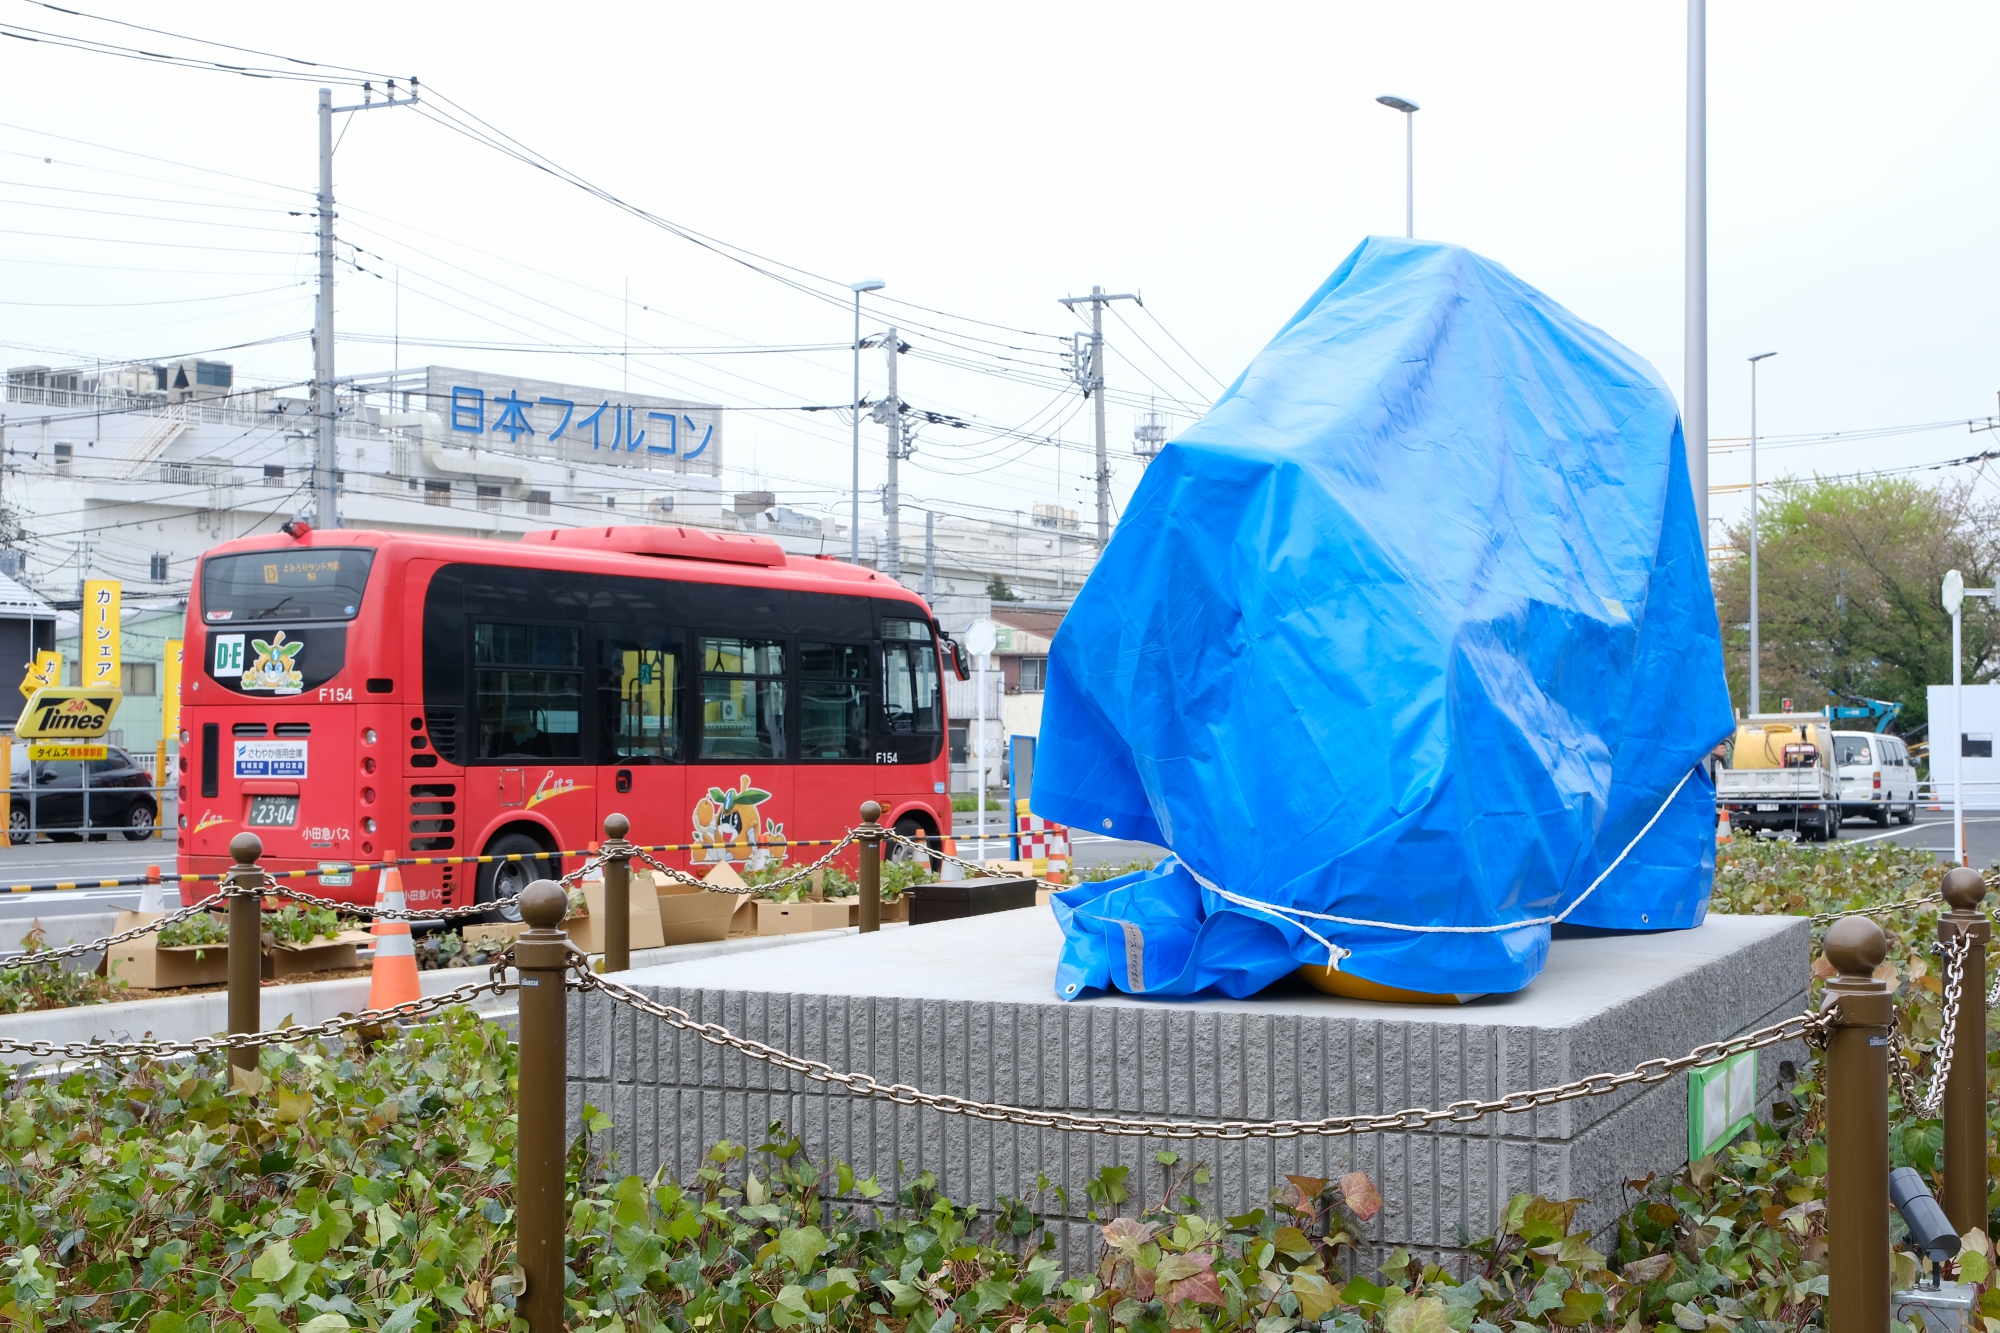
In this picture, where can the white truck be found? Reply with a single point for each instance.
(1780, 775)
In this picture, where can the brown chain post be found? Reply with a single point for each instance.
(617, 896)
(1857, 1130)
(1965, 1094)
(870, 840)
(541, 954)
(246, 946)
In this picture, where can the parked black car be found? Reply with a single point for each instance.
(48, 796)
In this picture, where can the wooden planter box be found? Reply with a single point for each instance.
(968, 897)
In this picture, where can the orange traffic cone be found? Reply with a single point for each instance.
(394, 978)
(1722, 834)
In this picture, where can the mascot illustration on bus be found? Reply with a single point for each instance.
(727, 827)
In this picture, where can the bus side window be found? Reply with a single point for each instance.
(909, 678)
(638, 695)
(742, 698)
(834, 694)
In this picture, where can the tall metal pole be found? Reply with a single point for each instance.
(1409, 176)
(930, 554)
(1097, 382)
(326, 513)
(854, 496)
(1091, 377)
(1756, 657)
(892, 553)
(541, 954)
(1694, 369)
(1965, 1094)
(1957, 744)
(1756, 696)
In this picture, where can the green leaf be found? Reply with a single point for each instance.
(802, 1245)
(1317, 1296)
(1973, 1266)
(1425, 1314)
(274, 1263)
(326, 1323)
(403, 1318)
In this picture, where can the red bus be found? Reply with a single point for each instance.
(352, 692)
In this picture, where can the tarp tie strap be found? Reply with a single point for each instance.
(1335, 952)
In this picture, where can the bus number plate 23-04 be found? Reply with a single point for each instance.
(273, 811)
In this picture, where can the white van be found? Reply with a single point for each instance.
(1877, 778)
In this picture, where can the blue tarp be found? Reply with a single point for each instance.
(1414, 629)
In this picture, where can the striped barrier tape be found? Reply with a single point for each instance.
(345, 867)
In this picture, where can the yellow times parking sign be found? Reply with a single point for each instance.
(69, 712)
(42, 752)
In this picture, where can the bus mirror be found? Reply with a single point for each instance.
(959, 666)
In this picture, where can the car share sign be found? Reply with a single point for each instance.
(270, 759)
(69, 711)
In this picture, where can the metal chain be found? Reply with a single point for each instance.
(1927, 1106)
(1596, 1085)
(640, 854)
(41, 956)
(333, 1027)
(1927, 900)
(273, 888)
(922, 850)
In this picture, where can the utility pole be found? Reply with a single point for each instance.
(326, 500)
(1090, 375)
(892, 415)
(889, 412)
(930, 554)
(1694, 317)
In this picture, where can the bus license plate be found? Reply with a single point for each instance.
(273, 811)
(1772, 807)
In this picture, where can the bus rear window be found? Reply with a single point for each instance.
(284, 585)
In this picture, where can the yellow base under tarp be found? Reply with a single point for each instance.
(1350, 987)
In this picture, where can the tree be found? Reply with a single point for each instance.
(1848, 576)
(997, 589)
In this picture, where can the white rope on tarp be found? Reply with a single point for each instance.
(1335, 952)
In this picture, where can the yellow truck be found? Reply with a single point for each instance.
(1780, 775)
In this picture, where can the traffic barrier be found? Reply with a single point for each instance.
(870, 839)
(392, 980)
(1964, 1099)
(1857, 1129)
(1722, 834)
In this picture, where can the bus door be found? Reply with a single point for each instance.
(641, 763)
(740, 786)
(910, 731)
(529, 745)
(838, 693)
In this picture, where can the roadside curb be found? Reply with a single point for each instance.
(188, 1017)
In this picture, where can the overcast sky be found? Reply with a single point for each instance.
(985, 160)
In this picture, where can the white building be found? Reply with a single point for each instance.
(132, 472)
(1976, 731)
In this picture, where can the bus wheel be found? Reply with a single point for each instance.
(909, 826)
(505, 879)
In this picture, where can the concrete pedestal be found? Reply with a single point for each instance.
(967, 1007)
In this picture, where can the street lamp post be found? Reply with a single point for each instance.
(1754, 696)
(1955, 593)
(854, 496)
(1409, 110)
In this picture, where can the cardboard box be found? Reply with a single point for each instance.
(642, 910)
(798, 918)
(893, 909)
(692, 916)
(495, 935)
(724, 875)
(968, 897)
(144, 965)
(322, 955)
